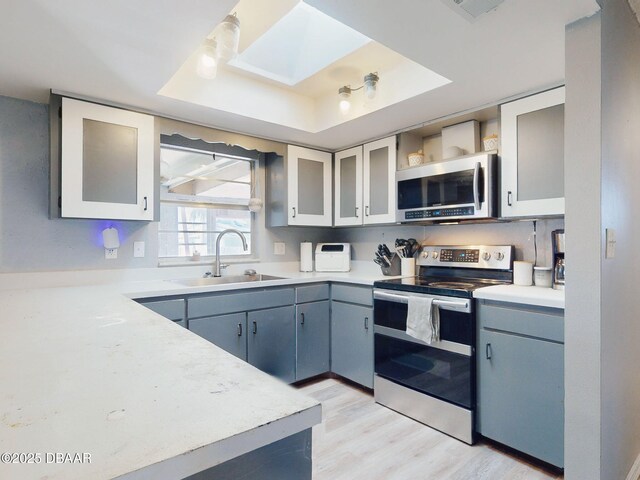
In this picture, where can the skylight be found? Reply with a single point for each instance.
(300, 44)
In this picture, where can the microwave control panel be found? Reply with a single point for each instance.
(439, 213)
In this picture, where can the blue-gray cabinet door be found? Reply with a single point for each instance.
(521, 394)
(352, 342)
(272, 341)
(228, 332)
(312, 339)
(171, 309)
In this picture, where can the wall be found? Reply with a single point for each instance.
(584, 250)
(620, 327)
(31, 242)
(365, 239)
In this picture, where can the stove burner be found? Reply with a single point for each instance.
(453, 285)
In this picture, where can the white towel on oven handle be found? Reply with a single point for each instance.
(423, 319)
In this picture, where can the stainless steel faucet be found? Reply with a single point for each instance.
(222, 234)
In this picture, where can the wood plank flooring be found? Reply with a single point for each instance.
(359, 439)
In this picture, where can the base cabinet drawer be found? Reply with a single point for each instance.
(312, 339)
(228, 332)
(271, 342)
(352, 342)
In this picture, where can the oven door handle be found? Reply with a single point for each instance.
(476, 186)
(392, 297)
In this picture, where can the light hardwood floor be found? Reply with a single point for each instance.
(359, 439)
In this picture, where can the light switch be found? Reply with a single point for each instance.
(610, 250)
(278, 248)
(138, 249)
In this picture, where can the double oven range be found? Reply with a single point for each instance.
(435, 384)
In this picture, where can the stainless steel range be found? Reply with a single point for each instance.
(435, 383)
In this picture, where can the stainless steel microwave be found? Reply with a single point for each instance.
(460, 189)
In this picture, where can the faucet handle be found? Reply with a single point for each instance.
(223, 266)
(207, 275)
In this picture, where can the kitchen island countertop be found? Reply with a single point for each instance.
(85, 370)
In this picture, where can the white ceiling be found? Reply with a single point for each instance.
(124, 52)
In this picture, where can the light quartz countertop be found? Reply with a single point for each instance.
(87, 370)
(538, 296)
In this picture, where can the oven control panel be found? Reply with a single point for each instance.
(499, 257)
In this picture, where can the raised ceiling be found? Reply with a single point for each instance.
(125, 52)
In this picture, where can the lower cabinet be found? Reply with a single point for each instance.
(271, 342)
(312, 339)
(352, 342)
(292, 334)
(172, 309)
(521, 379)
(229, 332)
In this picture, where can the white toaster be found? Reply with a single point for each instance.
(333, 257)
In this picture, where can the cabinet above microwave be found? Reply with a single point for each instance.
(103, 162)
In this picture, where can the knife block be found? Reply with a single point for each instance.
(394, 269)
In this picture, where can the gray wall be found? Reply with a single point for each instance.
(29, 241)
(620, 323)
(365, 239)
(584, 252)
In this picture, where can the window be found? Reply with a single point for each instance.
(202, 194)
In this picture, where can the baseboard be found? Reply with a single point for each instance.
(634, 473)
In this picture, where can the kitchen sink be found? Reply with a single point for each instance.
(203, 282)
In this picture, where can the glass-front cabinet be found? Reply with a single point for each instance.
(348, 184)
(299, 188)
(107, 162)
(533, 155)
(365, 184)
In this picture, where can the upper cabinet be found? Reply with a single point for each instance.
(299, 188)
(365, 184)
(532, 155)
(106, 162)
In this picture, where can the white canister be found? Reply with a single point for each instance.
(522, 273)
(542, 276)
(408, 267)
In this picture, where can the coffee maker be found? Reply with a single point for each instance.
(557, 243)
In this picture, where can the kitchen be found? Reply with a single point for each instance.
(601, 396)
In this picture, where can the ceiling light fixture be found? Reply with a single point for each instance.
(345, 94)
(228, 38)
(369, 86)
(221, 48)
(207, 67)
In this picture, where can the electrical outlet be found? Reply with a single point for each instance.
(110, 253)
(138, 249)
(278, 248)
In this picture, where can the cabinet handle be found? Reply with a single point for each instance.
(366, 323)
(488, 352)
(255, 328)
(366, 210)
(356, 212)
(509, 198)
(302, 319)
(294, 212)
(239, 329)
(145, 203)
